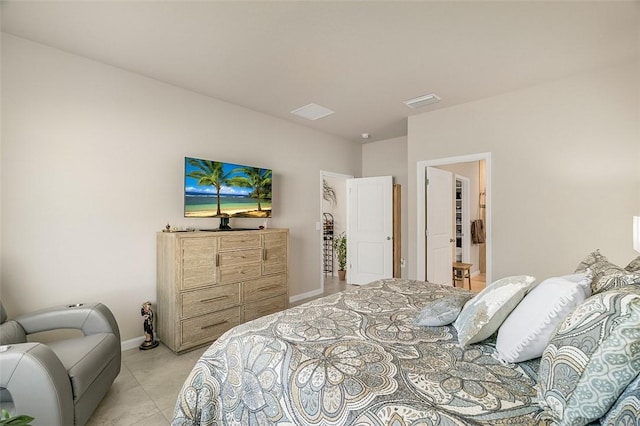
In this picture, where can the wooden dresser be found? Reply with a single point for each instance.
(209, 282)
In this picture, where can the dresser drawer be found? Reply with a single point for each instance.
(195, 277)
(208, 327)
(198, 247)
(240, 241)
(209, 299)
(232, 274)
(239, 257)
(264, 307)
(265, 287)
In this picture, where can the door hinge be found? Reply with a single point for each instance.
(426, 181)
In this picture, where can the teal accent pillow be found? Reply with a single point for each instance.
(592, 358)
(485, 313)
(442, 311)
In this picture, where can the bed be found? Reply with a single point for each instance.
(357, 357)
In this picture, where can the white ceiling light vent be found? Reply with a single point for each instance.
(312, 112)
(421, 101)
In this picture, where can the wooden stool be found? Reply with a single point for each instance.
(460, 272)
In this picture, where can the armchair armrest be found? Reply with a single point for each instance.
(90, 318)
(37, 382)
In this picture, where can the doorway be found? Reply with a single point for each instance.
(480, 254)
(333, 207)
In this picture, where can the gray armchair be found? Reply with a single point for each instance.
(61, 382)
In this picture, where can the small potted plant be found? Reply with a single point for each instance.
(340, 247)
(19, 420)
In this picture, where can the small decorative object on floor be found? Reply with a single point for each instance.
(147, 315)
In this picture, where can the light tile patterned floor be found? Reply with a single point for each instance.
(145, 392)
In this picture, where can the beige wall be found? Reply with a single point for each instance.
(389, 158)
(92, 168)
(565, 168)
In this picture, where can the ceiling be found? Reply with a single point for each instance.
(360, 59)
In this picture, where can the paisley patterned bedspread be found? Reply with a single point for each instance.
(355, 357)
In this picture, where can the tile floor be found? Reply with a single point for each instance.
(145, 392)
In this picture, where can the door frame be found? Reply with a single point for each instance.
(323, 174)
(420, 209)
(466, 219)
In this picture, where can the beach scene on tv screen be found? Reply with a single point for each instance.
(217, 189)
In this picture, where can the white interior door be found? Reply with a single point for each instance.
(369, 229)
(439, 227)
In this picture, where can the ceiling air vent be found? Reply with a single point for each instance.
(312, 111)
(421, 101)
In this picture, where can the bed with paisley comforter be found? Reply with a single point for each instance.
(356, 357)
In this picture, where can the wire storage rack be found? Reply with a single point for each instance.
(327, 243)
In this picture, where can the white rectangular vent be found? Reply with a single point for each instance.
(421, 101)
(312, 111)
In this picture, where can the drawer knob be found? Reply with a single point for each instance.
(213, 299)
(271, 287)
(213, 325)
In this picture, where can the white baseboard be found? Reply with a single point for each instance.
(131, 343)
(306, 295)
(475, 273)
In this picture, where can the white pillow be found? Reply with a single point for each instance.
(583, 279)
(528, 329)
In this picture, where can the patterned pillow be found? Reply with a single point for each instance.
(634, 265)
(607, 276)
(442, 311)
(527, 330)
(592, 259)
(626, 410)
(483, 315)
(592, 358)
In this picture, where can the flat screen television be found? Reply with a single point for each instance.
(226, 190)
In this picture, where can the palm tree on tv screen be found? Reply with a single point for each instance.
(256, 178)
(210, 173)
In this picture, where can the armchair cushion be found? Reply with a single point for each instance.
(85, 358)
